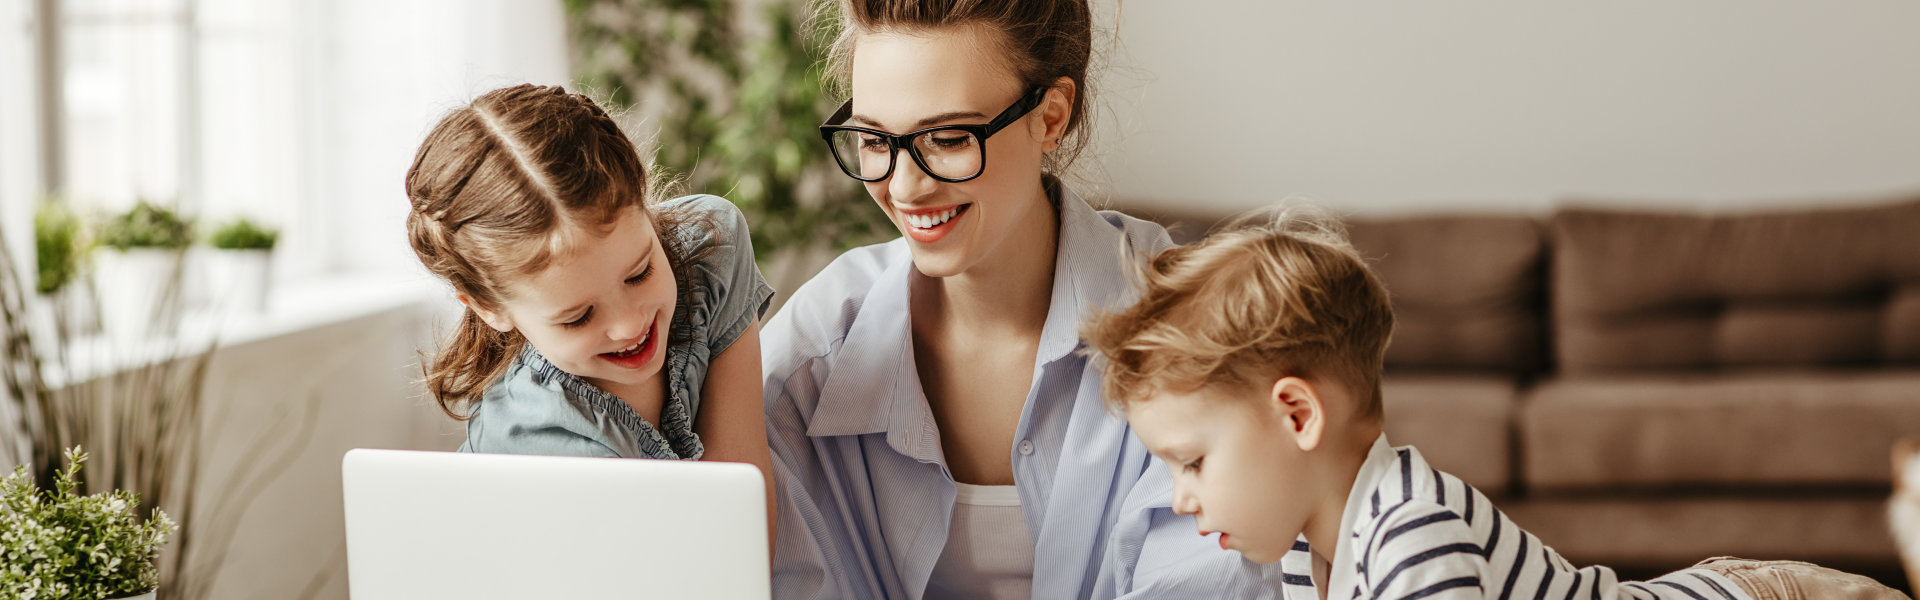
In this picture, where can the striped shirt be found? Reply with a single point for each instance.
(1415, 532)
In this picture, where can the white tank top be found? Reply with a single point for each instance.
(989, 554)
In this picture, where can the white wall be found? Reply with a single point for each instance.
(1508, 105)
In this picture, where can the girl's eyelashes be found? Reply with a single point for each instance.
(644, 273)
(1193, 467)
(585, 316)
(580, 321)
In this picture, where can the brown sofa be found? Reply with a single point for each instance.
(1646, 390)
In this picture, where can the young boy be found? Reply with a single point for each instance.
(1251, 366)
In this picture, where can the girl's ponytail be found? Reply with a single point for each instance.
(476, 357)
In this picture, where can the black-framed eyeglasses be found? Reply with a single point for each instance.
(950, 153)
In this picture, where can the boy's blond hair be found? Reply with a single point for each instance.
(1276, 293)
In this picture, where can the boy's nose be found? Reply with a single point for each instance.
(1184, 503)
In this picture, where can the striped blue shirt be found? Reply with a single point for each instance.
(866, 498)
(1412, 531)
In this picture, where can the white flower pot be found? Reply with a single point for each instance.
(237, 280)
(134, 286)
(147, 596)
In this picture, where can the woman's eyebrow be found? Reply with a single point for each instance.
(924, 123)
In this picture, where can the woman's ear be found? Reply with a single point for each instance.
(1056, 110)
(498, 321)
(1300, 411)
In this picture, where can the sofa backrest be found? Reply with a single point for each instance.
(1665, 291)
(1468, 292)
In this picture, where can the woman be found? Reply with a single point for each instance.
(935, 432)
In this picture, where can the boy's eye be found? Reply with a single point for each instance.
(580, 321)
(644, 273)
(1193, 467)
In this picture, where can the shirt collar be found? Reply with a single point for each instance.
(866, 384)
(1090, 271)
(1380, 458)
(873, 383)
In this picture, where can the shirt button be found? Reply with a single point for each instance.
(1026, 447)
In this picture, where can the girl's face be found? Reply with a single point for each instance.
(601, 312)
(905, 82)
(1235, 467)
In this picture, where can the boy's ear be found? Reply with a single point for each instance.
(499, 322)
(1300, 410)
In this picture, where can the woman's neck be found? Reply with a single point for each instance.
(1007, 291)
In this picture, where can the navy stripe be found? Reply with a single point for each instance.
(1575, 588)
(1468, 491)
(1690, 593)
(1439, 487)
(1456, 582)
(1292, 579)
(1423, 557)
(1716, 585)
(1444, 515)
(1367, 556)
(1376, 503)
(1633, 589)
(1546, 579)
(1300, 545)
(1493, 539)
(1406, 475)
(1514, 573)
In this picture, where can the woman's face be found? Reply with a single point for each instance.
(906, 82)
(600, 312)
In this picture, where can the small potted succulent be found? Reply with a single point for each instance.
(237, 270)
(137, 270)
(56, 545)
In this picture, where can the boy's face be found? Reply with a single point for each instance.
(1237, 467)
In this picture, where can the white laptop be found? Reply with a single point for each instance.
(424, 525)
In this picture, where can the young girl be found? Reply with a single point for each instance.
(935, 431)
(596, 323)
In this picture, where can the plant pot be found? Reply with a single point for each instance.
(237, 280)
(138, 289)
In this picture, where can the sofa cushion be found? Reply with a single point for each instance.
(1653, 291)
(1684, 431)
(1468, 292)
(1462, 424)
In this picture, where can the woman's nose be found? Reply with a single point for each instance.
(908, 180)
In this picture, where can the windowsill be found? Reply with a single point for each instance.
(291, 308)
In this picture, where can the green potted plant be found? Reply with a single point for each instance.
(58, 545)
(238, 268)
(137, 270)
(57, 251)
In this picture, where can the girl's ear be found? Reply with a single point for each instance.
(1056, 110)
(1300, 410)
(498, 321)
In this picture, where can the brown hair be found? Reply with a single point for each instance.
(1274, 294)
(1040, 40)
(500, 188)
